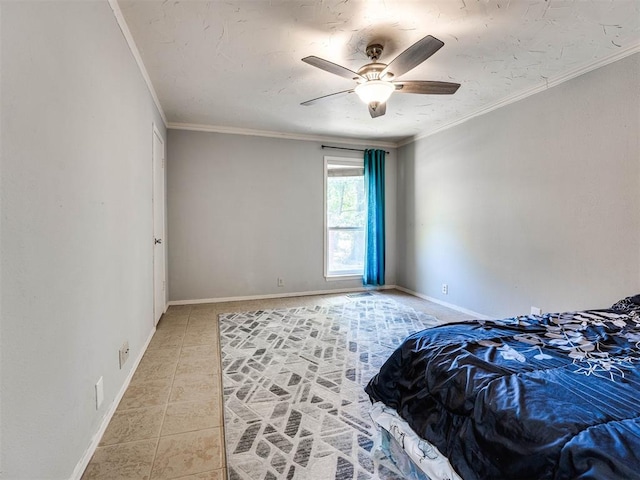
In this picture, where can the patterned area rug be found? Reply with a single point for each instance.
(293, 388)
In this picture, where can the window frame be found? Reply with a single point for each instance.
(346, 161)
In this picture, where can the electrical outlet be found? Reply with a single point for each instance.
(99, 393)
(445, 289)
(123, 354)
(280, 282)
(536, 311)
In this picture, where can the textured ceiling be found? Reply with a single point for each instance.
(236, 64)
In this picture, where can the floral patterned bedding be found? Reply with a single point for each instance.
(555, 396)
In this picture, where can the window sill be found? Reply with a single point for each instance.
(333, 278)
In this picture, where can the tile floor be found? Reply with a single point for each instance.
(169, 424)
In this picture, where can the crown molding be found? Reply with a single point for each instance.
(551, 82)
(288, 136)
(122, 23)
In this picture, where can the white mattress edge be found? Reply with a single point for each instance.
(424, 455)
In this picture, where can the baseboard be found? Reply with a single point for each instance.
(95, 440)
(279, 295)
(446, 304)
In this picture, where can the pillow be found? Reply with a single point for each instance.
(628, 305)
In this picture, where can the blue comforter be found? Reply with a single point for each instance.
(545, 397)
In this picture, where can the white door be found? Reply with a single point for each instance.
(159, 293)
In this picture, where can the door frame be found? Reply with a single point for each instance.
(154, 197)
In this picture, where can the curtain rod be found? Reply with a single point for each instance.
(344, 148)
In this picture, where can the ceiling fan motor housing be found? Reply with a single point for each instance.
(371, 71)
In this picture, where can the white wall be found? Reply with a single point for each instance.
(534, 204)
(75, 239)
(244, 210)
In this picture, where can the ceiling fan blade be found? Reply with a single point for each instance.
(331, 67)
(427, 87)
(314, 100)
(413, 56)
(377, 109)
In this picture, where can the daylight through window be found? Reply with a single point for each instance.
(345, 216)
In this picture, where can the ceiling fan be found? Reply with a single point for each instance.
(375, 79)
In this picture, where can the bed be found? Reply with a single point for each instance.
(555, 396)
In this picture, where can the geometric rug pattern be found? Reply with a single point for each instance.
(293, 379)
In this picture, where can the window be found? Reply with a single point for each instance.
(345, 216)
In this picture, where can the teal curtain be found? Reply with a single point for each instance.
(374, 234)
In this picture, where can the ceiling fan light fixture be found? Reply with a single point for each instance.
(375, 84)
(375, 91)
